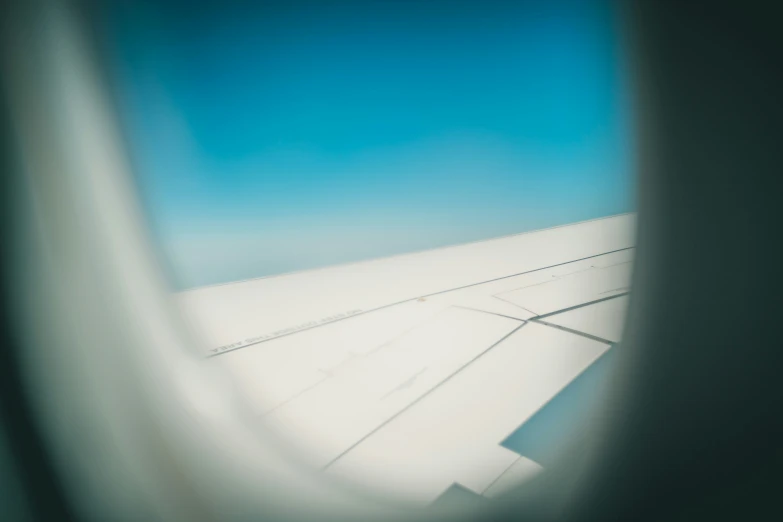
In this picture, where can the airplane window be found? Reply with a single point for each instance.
(399, 244)
(403, 230)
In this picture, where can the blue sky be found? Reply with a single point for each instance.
(269, 137)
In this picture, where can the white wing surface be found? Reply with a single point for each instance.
(459, 367)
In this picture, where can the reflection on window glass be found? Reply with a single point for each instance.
(273, 137)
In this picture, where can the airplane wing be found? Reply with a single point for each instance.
(432, 374)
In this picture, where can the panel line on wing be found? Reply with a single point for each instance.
(496, 479)
(363, 312)
(296, 395)
(487, 312)
(605, 319)
(515, 304)
(421, 397)
(581, 305)
(569, 330)
(558, 276)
